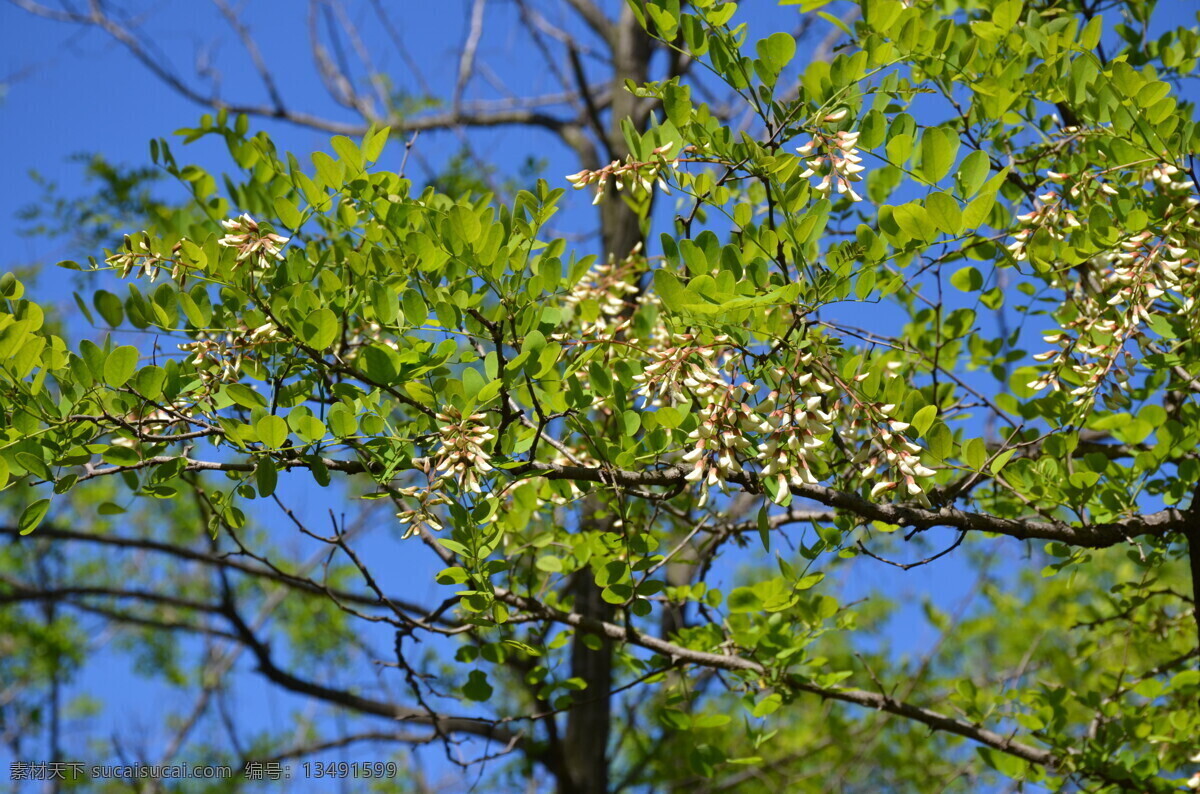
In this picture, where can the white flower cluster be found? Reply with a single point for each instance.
(633, 174)
(428, 499)
(796, 429)
(460, 452)
(137, 256)
(216, 361)
(720, 437)
(1121, 291)
(220, 360)
(244, 234)
(903, 463)
(1051, 212)
(610, 286)
(683, 364)
(783, 434)
(835, 157)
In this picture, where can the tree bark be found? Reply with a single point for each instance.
(585, 748)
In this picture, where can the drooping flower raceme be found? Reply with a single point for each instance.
(245, 235)
(460, 452)
(683, 364)
(611, 285)
(428, 499)
(722, 436)
(637, 176)
(1119, 289)
(796, 426)
(834, 157)
(136, 257)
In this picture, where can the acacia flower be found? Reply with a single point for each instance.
(460, 452)
(244, 234)
(138, 256)
(636, 175)
(836, 158)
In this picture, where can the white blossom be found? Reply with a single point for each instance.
(245, 235)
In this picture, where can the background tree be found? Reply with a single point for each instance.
(589, 445)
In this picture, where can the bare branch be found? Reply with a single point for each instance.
(185, 553)
(595, 19)
(483, 728)
(466, 61)
(251, 46)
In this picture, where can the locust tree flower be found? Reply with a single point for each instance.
(683, 365)
(834, 157)
(635, 175)
(137, 257)
(244, 234)
(460, 452)
(1117, 293)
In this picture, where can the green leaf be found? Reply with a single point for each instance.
(777, 50)
(415, 310)
(120, 456)
(266, 476)
(32, 516)
(465, 224)
(972, 173)
(110, 307)
(975, 453)
(808, 582)
(744, 599)
(149, 382)
(341, 421)
(881, 14)
(923, 419)
(839, 24)
(319, 329)
(307, 427)
(944, 212)
(914, 221)
(632, 422)
(978, 210)
(120, 365)
(348, 151)
(384, 302)
(939, 148)
(477, 687)
(329, 171)
(1003, 458)
(1007, 13)
(967, 279)
(245, 396)
(272, 431)
(285, 210)
(670, 417)
(373, 144)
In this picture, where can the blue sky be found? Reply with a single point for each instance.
(70, 93)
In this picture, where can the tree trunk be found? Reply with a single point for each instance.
(586, 745)
(585, 748)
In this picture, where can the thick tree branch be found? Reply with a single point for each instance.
(1158, 523)
(680, 654)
